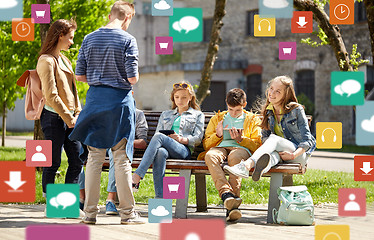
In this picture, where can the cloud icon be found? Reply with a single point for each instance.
(8, 3)
(276, 3)
(349, 87)
(186, 23)
(368, 125)
(64, 199)
(160, 211)
(162, 5)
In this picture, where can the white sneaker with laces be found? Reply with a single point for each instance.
(238, 170)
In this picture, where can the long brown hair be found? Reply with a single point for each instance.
(59, 28)
(289, 100)
(193, 103)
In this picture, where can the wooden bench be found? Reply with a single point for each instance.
(280, 175)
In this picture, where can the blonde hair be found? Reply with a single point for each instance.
(193, 103)
(122, 9)
(289, 100)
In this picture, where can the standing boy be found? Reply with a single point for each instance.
(108, 62)
(231, 135)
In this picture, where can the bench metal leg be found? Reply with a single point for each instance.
(287, 180)
(276, 180)
(182, 204)
(201, 200)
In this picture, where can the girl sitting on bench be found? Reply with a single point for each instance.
(178, 131)
(285, 132)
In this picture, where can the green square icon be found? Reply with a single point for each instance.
(347, 88)
(186, 25)
(62, 200)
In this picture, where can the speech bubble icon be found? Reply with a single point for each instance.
(66, 199)
(177, 27)
(350, 86)
(53, 202)
(189, 23)
(338, 90)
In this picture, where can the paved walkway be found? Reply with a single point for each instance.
(14, 219)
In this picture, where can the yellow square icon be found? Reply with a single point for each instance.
(329, 135)
(331, 232)
(264, 27)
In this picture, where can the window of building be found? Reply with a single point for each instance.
(216, 100)
(250, 22)
(369, 83)
(360, 12)
(304, 83)
(254, 89)
(207, 28)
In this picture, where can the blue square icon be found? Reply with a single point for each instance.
(162, 7)
(276, 8)
(10, 9)
(365, 124)
(160, 210)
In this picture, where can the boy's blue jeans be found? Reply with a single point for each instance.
(160, 148)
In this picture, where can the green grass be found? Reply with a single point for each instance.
(322, 185)
(18, 133)
(352, 149)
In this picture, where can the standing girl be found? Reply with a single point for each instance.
(285, 132)
(61, 100)
(187, 122)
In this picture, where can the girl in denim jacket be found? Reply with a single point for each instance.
(187, 122)
(285, 132)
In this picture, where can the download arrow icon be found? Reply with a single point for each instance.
(366, 168)
(15, 180)
(301, 22)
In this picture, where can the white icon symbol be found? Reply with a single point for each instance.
(323, 137)
(40, 14)
(301, 22)
(368, 124)
(192, 236)
(160, 211)
(187, 23)
(259, 24)
(332, 234)
(164, 45)
(349, 87)
(341, 9)
(162, 5)
(287, 51)
(173, 188)
(38, 157)
(352, 205)
(8, 3)
(23, 27)
(275, 3)
(366, 168)
(64, 199)
(15, 181)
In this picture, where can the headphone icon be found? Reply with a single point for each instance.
(259, 24)
(323, 137)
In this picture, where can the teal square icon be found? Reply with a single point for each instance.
(62, 200)
(365, 124)
(160, 210)
(10, 9)
(186, 25)
(347, 88)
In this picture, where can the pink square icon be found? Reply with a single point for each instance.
(41, 13)
(174, 188)
(57, 232)
(287, 50)
(38, 153)
(352, 202)
(164, 45)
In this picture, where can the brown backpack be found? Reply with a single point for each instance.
(35, 101)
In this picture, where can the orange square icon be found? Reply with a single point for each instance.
(17, 182)
(364, 168)
(22, 29)
(342, 12)
(302, 22)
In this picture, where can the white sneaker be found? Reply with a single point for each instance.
(238, 170)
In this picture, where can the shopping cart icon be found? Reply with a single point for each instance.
(173, 188)
(164, 45)
(40, 14)
(287, 51)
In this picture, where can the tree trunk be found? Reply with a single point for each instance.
(38, 133)
(369, 5)
(215, 40)
(332, 31)
(4, 124)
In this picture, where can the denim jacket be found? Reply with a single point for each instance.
(191, 125)
(295, 128)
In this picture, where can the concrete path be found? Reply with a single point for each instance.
(15, 218)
